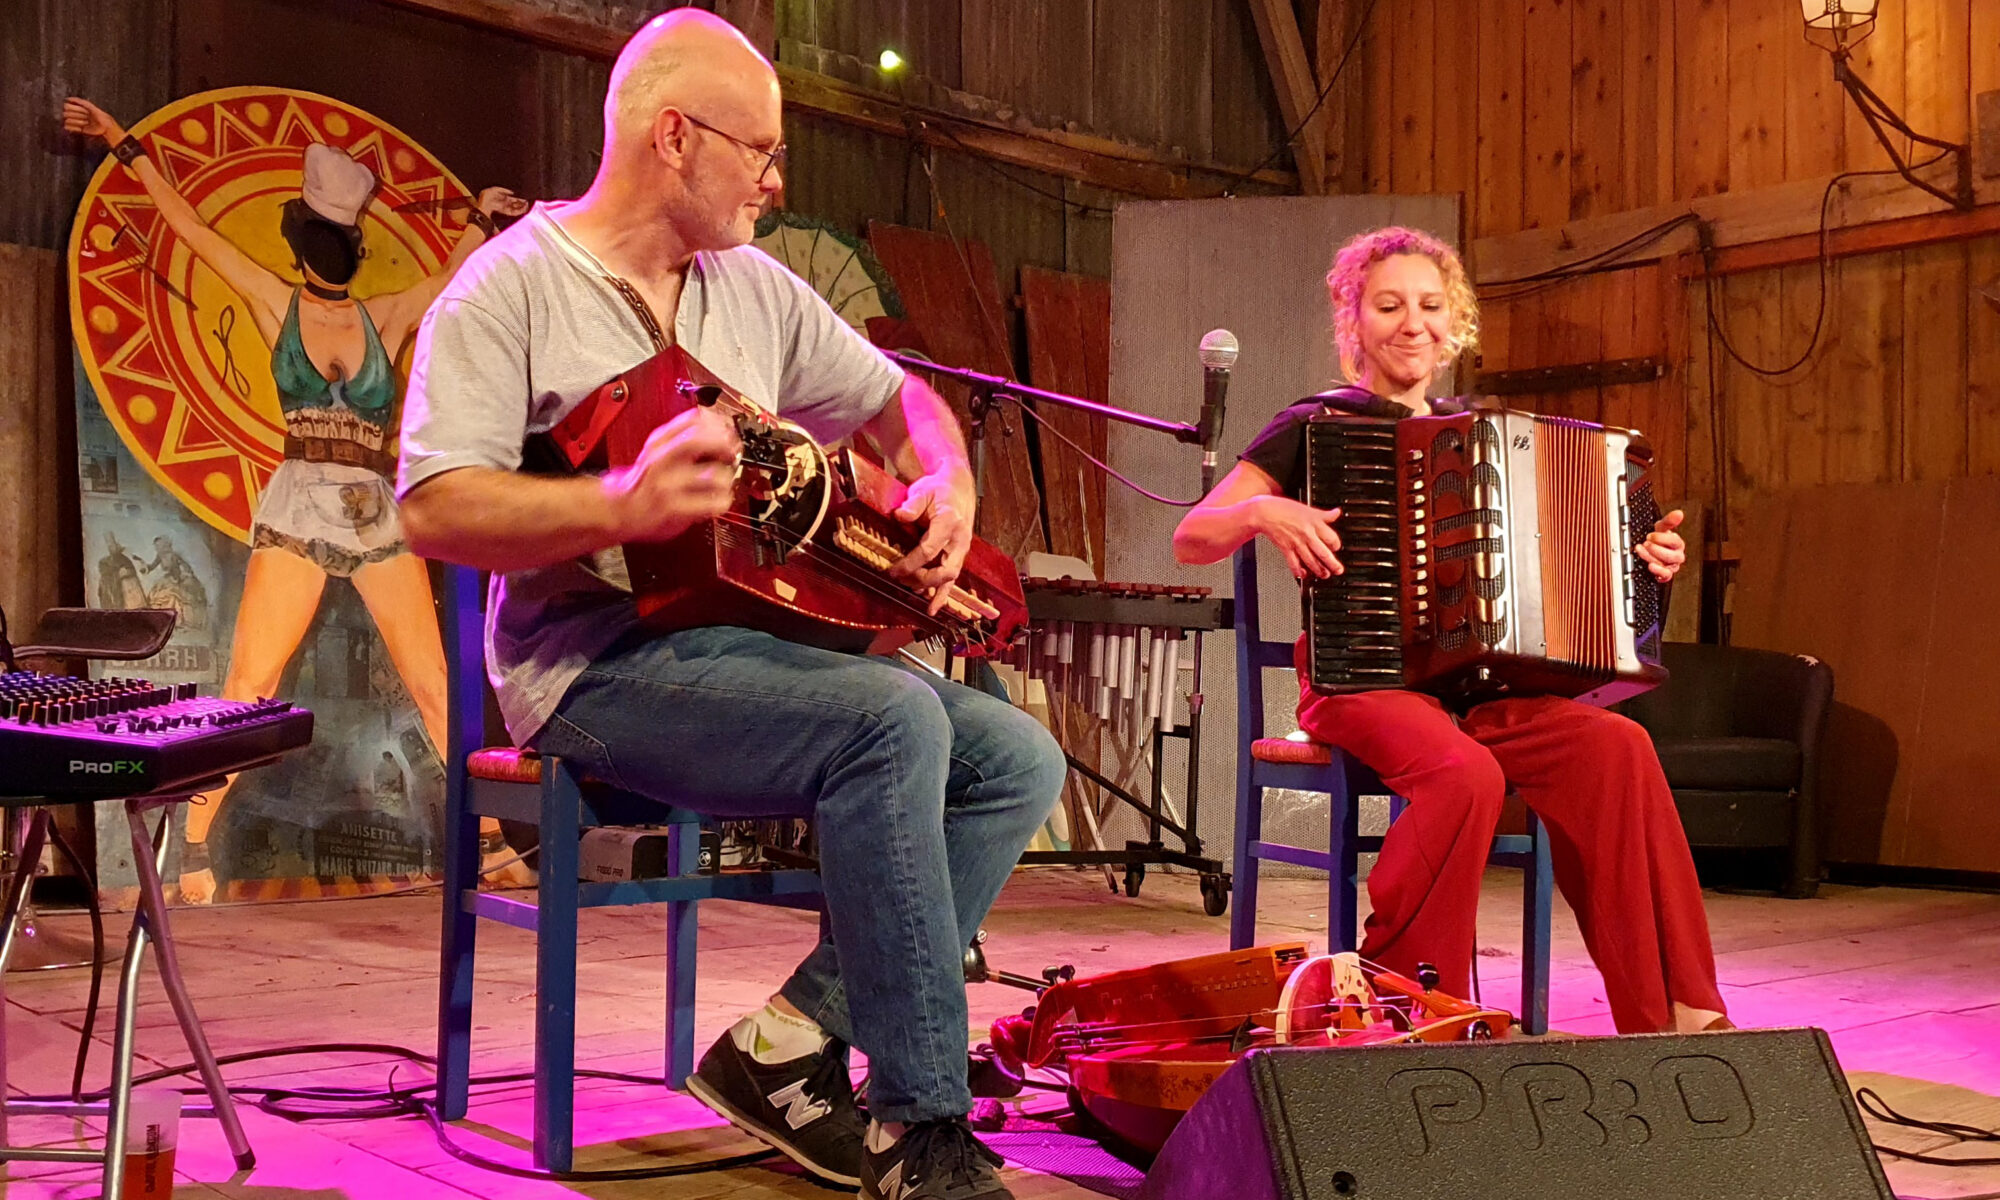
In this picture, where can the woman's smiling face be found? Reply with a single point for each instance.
(1405, 320)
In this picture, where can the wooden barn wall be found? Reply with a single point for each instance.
(1547, 112)
(1543, 112)
(1181, 76)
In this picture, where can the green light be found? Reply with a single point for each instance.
(890, 61)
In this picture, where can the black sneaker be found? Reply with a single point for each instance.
(935, 1160)
(803, 1108)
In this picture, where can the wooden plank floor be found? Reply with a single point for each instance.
(1904, 980)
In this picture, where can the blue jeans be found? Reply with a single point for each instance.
(923, 793)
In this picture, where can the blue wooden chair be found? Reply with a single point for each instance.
(1266, 762)
(541, 790)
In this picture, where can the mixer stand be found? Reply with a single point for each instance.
(149, 922)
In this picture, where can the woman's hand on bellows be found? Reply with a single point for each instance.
(1664, 551)
(1304, 534)
(81, 116)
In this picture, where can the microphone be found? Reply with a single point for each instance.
(1218, 354)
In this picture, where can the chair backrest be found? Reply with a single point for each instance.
(466, 691)
(1734, 691)
(1254, 653)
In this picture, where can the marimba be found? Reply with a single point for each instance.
(1114, 651)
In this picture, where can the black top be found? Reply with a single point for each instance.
(1280, 450)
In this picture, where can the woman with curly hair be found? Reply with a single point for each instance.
(1403, 309)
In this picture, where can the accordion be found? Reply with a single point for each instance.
(1487, 553)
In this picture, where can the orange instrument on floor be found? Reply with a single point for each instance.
(1141, 1046)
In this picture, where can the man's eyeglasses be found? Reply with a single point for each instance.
(774, 157)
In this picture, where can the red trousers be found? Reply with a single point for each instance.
(1621, 857)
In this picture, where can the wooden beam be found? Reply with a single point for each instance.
(1086, 159)
(1098, 161)
(1878, 238)
(1785, 210)
(1297, 87)
(555, 30)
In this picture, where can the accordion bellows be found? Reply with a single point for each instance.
(1488, 553)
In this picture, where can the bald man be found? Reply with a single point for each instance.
(923, 792)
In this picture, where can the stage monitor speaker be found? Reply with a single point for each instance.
(1753, 1115)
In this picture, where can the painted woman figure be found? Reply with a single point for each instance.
(1402, 310)
(328, 509)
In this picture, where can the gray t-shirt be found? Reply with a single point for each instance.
(529, 327)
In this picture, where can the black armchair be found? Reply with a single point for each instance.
(1738, 734)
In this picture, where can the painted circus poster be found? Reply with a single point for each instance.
(247, 271)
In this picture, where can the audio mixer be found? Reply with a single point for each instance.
(66, 737)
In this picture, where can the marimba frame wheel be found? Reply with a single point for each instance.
(1135, 878)
(1214, 894)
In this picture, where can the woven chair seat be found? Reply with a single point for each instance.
(1291, 750)
(504, 764)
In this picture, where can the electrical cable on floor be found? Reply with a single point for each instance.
(89, 878)
(335, 1103)
(1872, 1104)
(97, 934)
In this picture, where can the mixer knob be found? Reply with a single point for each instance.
(107, 727)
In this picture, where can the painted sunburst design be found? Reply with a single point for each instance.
(838, 265)
(177, 364)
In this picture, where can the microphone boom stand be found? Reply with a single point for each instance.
(985, 394)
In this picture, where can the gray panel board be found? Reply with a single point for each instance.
(1257, 267)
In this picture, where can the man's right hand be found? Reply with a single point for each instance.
(1305, 534)
(685, 473)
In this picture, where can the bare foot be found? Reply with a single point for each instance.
(198, 887)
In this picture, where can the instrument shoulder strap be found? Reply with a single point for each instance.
(575, 444)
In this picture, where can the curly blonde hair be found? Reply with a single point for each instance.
(1350, 274)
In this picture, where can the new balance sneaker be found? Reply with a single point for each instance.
(935, 1160)
(803, 1107)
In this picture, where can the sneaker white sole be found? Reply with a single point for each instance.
(699, 1089)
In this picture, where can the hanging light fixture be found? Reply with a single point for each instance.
(1838, 23)
(1836, 26)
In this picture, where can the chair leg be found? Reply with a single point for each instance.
(555, 970)
(1343, 899)
(1243, 867)
(684, 852)
(455, 955)
(1537, 901)
(1802, 871)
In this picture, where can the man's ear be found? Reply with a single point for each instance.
(670, 130)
